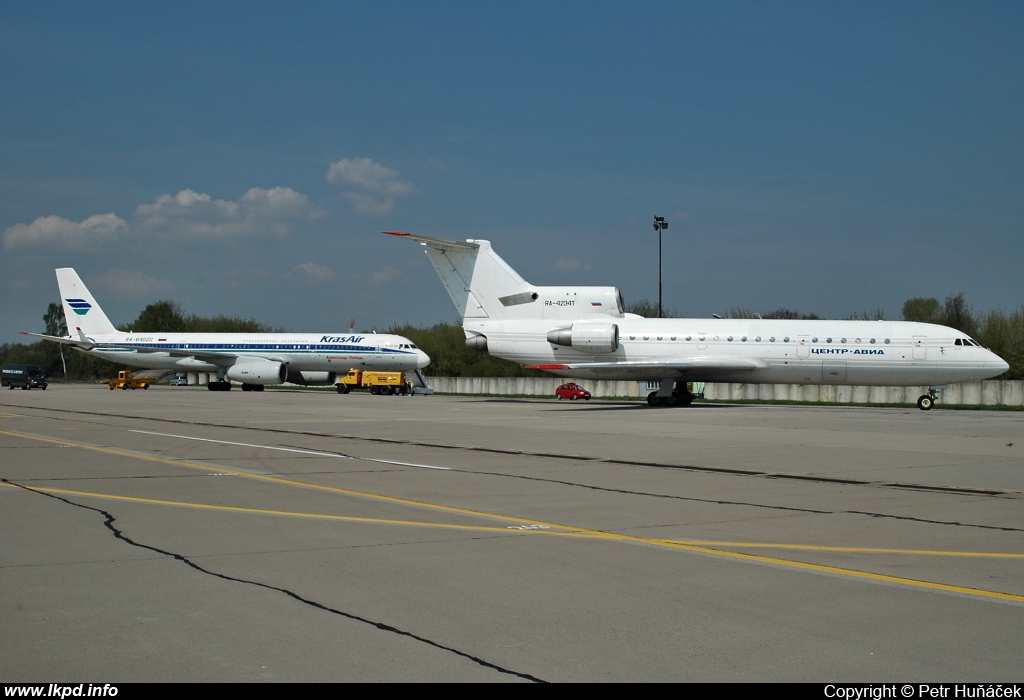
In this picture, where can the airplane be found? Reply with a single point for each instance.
(253, 359)
(583, 332)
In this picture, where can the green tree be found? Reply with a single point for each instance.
(225, 324)
(788, 314)
(957, 314)
(55, 322)
(876, 315)
(921, 310)
(649, 309)
(159, 317)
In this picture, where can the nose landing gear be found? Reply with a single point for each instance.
(926, 402)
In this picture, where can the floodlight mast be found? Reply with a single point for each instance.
(659, 225)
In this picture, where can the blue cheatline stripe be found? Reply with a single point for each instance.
(249, 347)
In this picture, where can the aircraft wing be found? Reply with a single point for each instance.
(693, 363)
(84, 343)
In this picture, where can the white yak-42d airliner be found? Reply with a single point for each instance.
(253, 359)
(583, 332)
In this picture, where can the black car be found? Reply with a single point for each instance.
(25, 376)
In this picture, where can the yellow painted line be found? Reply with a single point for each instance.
(282, 480)
(264, 511)
(854, 550)
(595, 534)
(853, 573)
(591, 534)
(11, 415)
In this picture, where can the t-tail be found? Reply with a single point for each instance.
(483, 286)
(83, 315)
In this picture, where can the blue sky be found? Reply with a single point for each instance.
(241, 158)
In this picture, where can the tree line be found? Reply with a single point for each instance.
(1001, 332)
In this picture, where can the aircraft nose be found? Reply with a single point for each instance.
(422, 359)
(998, 364)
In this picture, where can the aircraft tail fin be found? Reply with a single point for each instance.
(81, 311)
(483, 286)
(479, 282)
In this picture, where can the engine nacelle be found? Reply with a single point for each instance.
(477, 342)
(312, 378)
(259, 372)
(591, 338)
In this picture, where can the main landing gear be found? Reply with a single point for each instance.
(679, 396)
(926, 402)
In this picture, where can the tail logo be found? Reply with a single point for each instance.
(79, 306)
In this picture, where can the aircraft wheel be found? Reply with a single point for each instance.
(671, 400)
(925, 403)
(246, 387)
(652, 398)
(684, 399)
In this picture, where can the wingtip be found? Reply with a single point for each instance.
(546, 367)
(397, 233)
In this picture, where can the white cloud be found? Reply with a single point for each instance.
(243, 277)
(385, 275)
(372, 187)
(312, 271)
(569, 265)
(186, 215)
(58, 232)
(194, 215)
(131, 284)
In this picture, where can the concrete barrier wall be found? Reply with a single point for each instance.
(987, 393)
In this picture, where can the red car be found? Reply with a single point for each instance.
(572, 392)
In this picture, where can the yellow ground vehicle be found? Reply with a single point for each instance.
(125, 380)
(383, 383)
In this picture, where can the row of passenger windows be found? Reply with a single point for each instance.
(250, 347)
(757, 339)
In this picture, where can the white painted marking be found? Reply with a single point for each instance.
(403, 464)
(291, 449)
(246, 444)
(528, 527)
